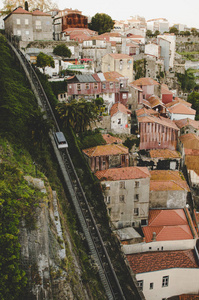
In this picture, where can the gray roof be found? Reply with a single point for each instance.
(85, 78)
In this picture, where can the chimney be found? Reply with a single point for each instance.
(154, 237)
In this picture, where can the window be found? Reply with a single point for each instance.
(70, 86)
(122, 184)
(137, 184)
(151, 285)
(27, 32)
(111, 85)
(136, 211)
(165, 281)
(26, 21)
(119, 121)
(87, 86)
(18, 21)
(140, 284)
(18, 32)
(38, 24)
(124, 96)
(136, 197)
(117, 85)
(78, 87)
(107, 199)
(104, 85)
(121, 197)
(108, 187)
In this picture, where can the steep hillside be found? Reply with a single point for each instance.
(53, 251)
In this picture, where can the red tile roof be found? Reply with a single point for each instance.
(165, 90)
(20, 10)
(111, 139)
(164, 180)
(159, 120)
(119, 107)
(154, 101)
(167, 233)
(38, 12)
(146, 112)
(167, 217)
(164, 153)
(188, 297)
(190, 141)
(162, 260)
(186, 122)
(112, 76)
(126, 173)
(180, 108)
(178, 100)
(120, 56)
(145, 81)
(106, 150)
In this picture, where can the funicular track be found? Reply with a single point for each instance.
(96, 246)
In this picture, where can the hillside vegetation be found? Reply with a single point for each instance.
(24, 140)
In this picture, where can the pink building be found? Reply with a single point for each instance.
(148, 85)
(157, 133)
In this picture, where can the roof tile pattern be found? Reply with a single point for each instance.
(145, 81)
(155, 261)
(126, 173)
(164, 153)
(106, 150)
(111, 139)
(180, 108)
(119, 107)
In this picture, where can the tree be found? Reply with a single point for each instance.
(157, 32)
(43, 5)
(149, 33)
(174, 30)
(78, 114)
(62, 50)
(44, 60)
(101, 23)
(194, 99)
(194, 31)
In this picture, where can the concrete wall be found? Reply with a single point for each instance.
(120, 123)
(181, 281)
(159, 246)
(169, 199)
(125, 68)
(122, 212)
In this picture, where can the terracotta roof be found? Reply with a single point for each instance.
(166, 175)
(146, 112)
(162, 260)
(178, 100)
(190, 141)
(188, 297)
(112, 76)
(186, 122)
(164, 153)
(111, 139)
(145, 81)
(120, 56)
(105, 150)
(146, 103)
(165, 90)
(38, 12)
(167, 217)
(168, 186)
(167, 233)
(192, 162)
(126, 173)
(154, 101)
(136, 87)
(119, 107)
(20, 10)
(183, 101)
(180, 108)
(132, 45)
(159, 120)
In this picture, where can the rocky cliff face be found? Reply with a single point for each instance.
(46, 252)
